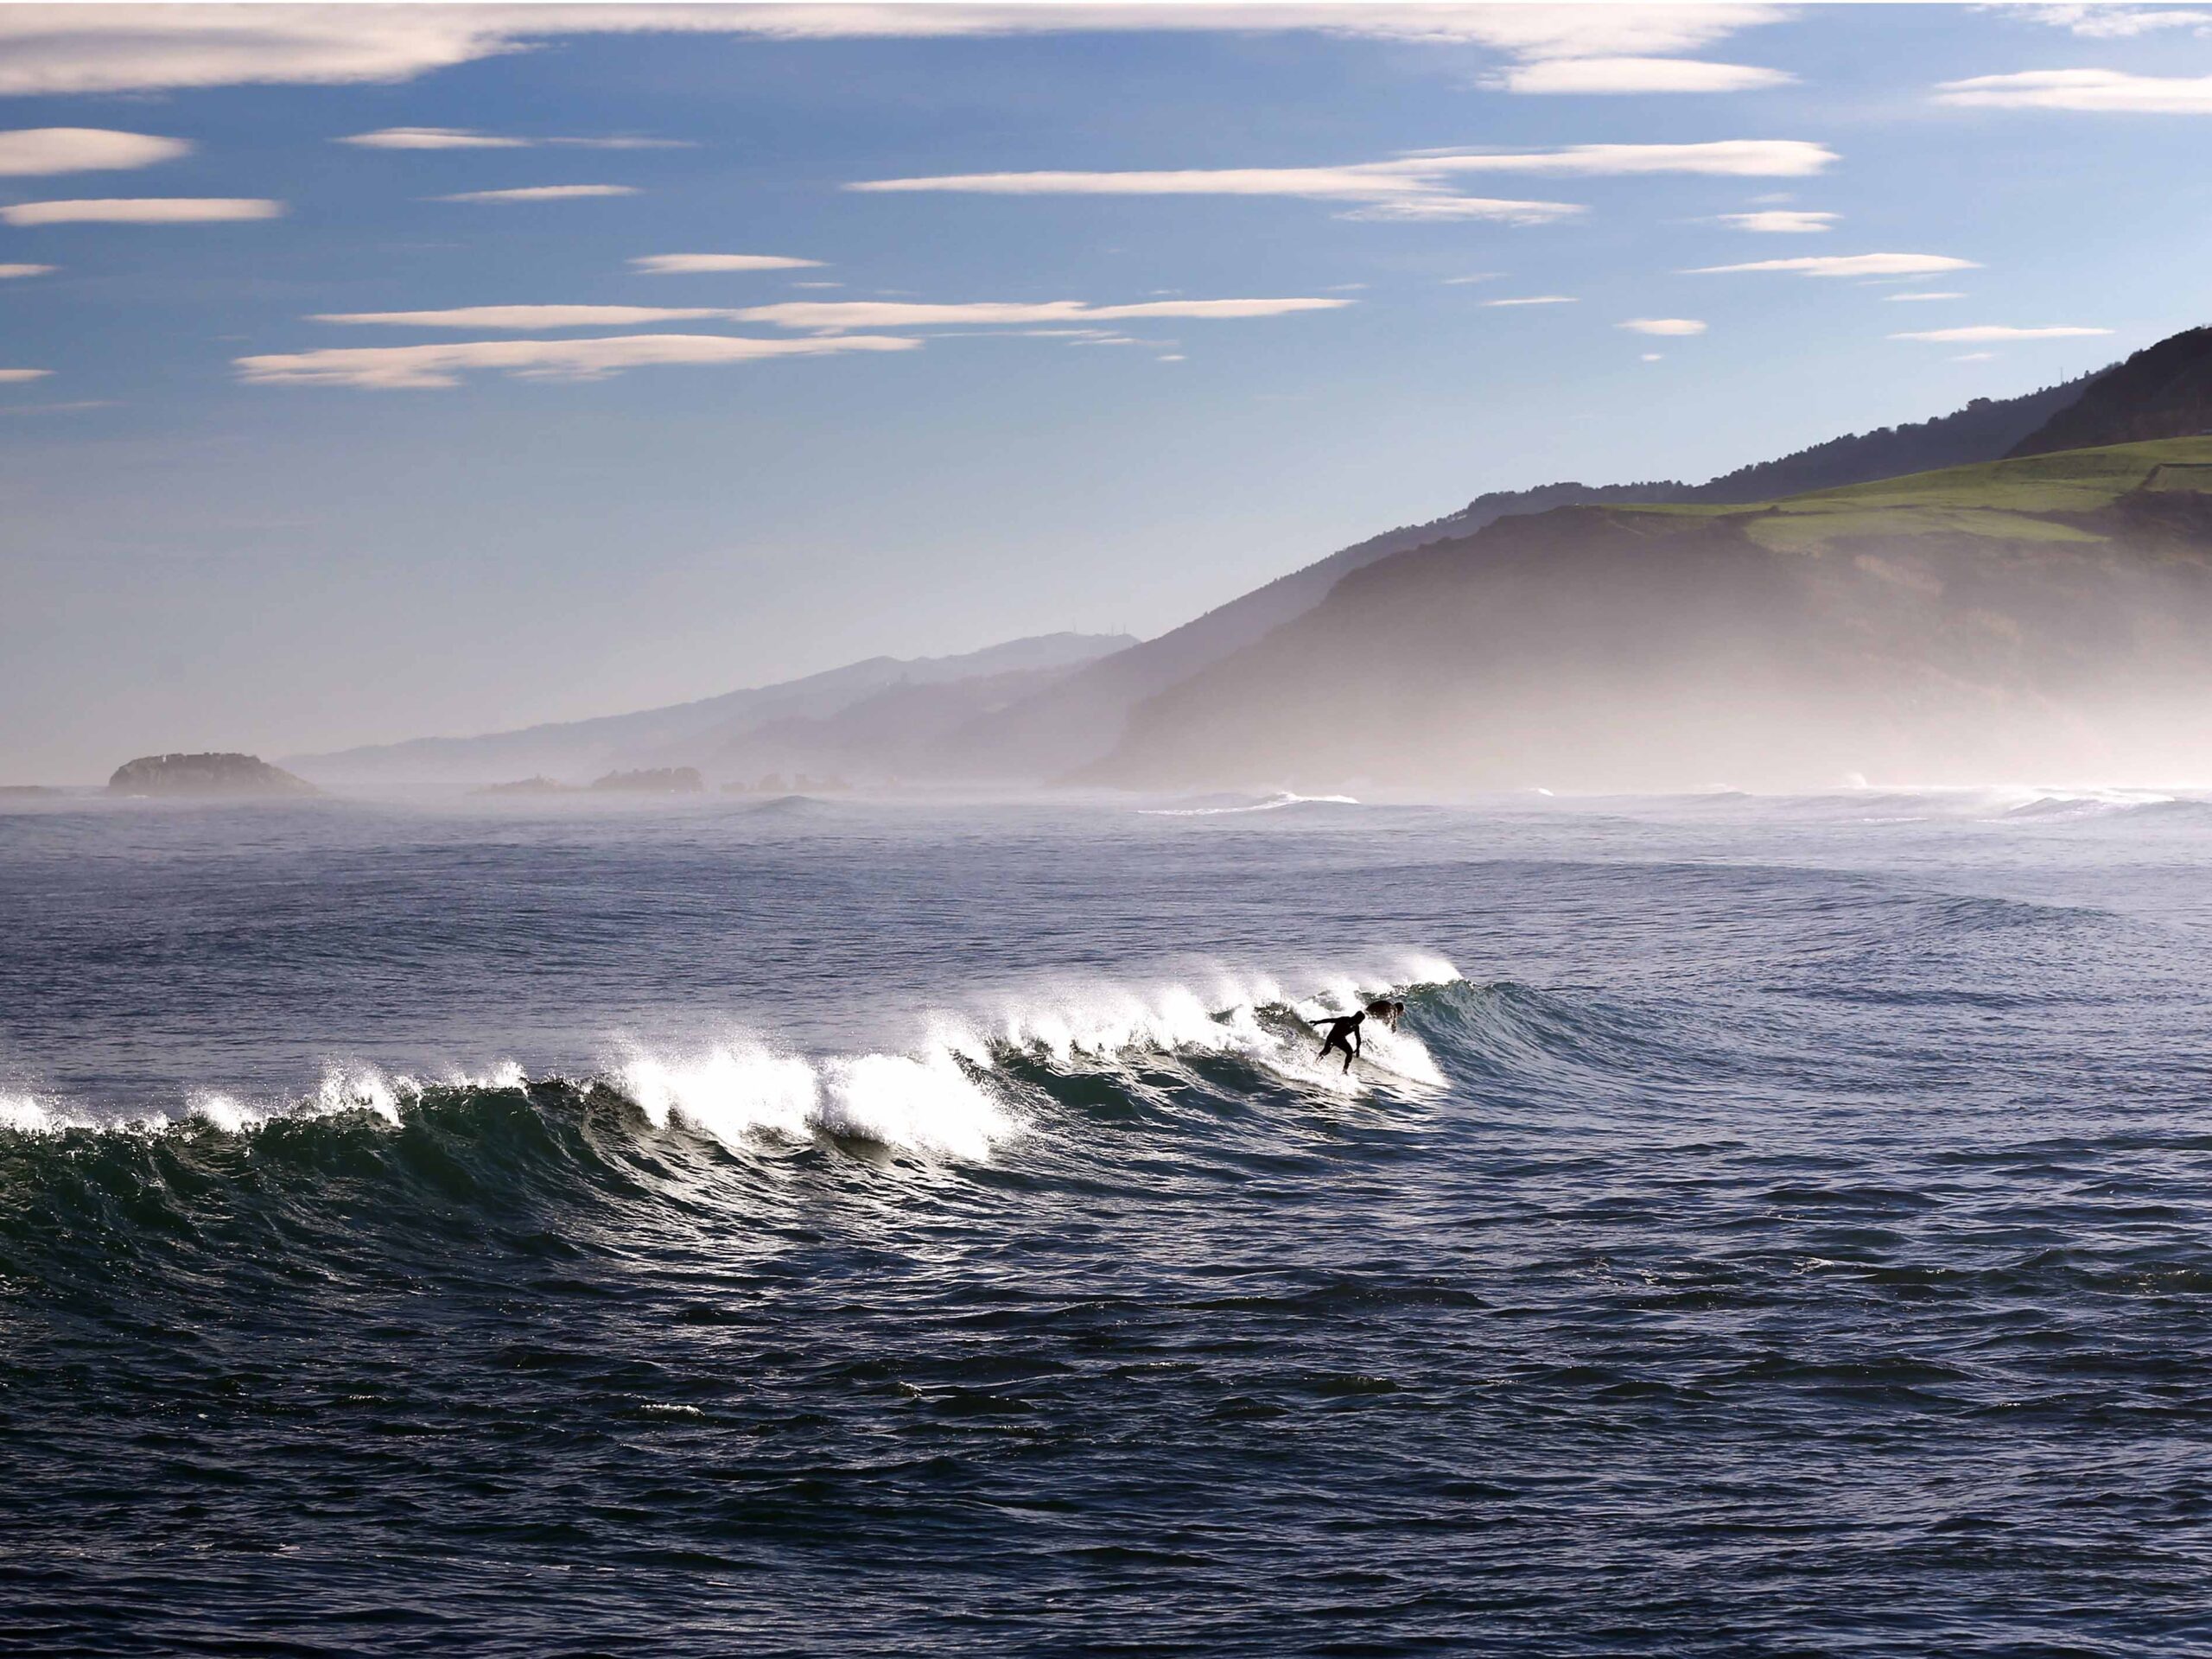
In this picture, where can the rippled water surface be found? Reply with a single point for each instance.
(824, 1227)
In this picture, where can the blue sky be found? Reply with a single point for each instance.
(232, 522)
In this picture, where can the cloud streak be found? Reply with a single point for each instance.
(1413, 187)
(31, 151)
(1614, 76)
(416, 367)
(10, 273)
(829, 317)
(682, 264)
(54, 50)
(1537, 299)
(1847, 264)
(467, 138)
(147, 210)
(1676, 326)
(2108, 92)
(1981, 332)
(1780, 221)
(542, 193)
(15, 376)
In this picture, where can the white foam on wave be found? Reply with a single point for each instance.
(27, 1114)
(927, 1103)
(1213, 1010)
(1272, 804)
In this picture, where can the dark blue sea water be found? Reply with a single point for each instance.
(1781, 1227)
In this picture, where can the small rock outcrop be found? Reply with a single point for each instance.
(538, 786)
(236, 777)
(657, 780)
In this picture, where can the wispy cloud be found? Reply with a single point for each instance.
(8, 273)
(678, 264)
(1616, 75)
(145, 49)
(1415, 186)
(2094, 90)
(1848, 264)
(33, 150)
(1780, 221)
(12, 377)
(834, 315)
(1973, 357)
(1663, 326)
(396, 367)
(1895, 298)
(468, 138)
(1472, 276)
(2118, 23)
(1997, 331)
(149, 210)
(542, 193)
(1537, 299)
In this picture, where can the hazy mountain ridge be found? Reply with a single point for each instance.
(686, 732)
(1081, 719)
(2040, 617)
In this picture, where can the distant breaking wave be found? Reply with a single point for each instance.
(975, 1082)
(1270, 804)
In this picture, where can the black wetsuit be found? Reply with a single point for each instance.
(1343, 1034)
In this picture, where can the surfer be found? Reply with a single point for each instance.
(1343, 1033)
(1387, 1011)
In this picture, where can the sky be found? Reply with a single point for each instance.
(368, 373)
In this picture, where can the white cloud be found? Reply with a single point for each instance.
(1786, 158)
(1894, 298)
(1475, 277)
(1652, 357)
(9, 273)
(430, 138)
(1616, 75)
(1661, 325)
(150, 210)
(675, 264)
(2097, 90)
(11, 377)
(1415, 209)
(832, 316)
(1415, 186)
(1995, 331)
(34, 151)
(531, 316)
(1781, 221)
(1973, 357)
(1537, 299)
(385, 367)
(542, 193)
(2122, 23)
(154, 47)
(467, 138)
(1849, 265)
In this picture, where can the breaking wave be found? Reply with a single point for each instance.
(976, 1081)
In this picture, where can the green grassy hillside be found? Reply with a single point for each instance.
(2037, 499)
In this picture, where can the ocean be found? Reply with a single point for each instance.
(819, 1227)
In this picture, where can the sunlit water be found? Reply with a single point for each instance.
(1780, 1226)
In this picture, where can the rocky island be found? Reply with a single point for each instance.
(233, 776)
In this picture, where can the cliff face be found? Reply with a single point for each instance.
(234, 776)
(2163, 391)
(2042, 618)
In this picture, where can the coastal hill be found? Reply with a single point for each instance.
(2046, 617)
(230, 776)
(693, 734)
(2163, 391)
(1081, 717)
